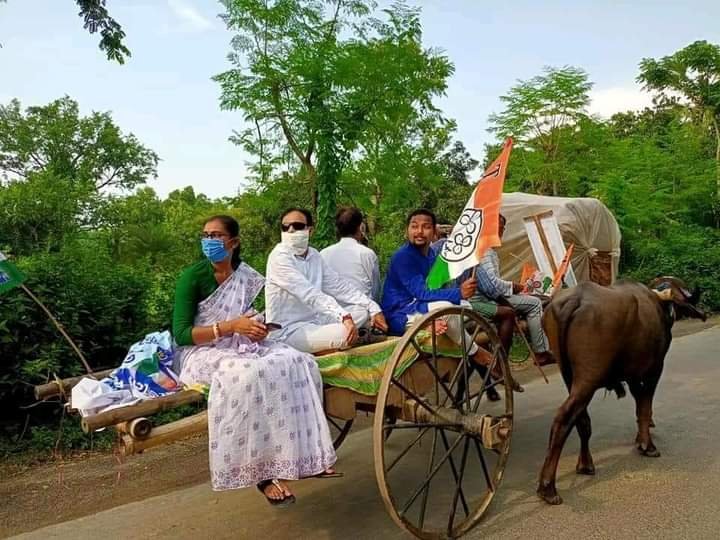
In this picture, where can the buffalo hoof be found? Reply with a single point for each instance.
(585, 469)
(648, 452)
(550, 496)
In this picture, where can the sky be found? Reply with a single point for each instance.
(165, 96)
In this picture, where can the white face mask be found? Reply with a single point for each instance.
(297, 241)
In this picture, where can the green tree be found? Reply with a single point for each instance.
(96, 18)
(323, 79)
(40, 213)
(537, 113)
(88, 150)
(459, 163)
(694, 73)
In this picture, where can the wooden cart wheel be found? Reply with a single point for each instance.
(339, 429)
(444, 463)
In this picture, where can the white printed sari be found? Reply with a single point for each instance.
(265, 410)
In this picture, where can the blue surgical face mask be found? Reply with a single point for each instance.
(214, 249)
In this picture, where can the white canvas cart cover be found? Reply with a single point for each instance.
(586, 222)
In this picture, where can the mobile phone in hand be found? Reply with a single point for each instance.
(273, 326)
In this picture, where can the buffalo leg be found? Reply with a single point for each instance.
(643, 392)
(563, 423)
(583, 425)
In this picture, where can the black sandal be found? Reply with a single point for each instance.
(278, 503)
(326, 474)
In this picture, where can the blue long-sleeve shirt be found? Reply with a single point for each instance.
(405, 291)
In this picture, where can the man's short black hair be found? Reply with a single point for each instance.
(421, 212)
(348, 221)
(304, 211)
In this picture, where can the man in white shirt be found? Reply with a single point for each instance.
(316, 309)
(350, 258)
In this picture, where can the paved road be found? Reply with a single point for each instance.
(674, 496)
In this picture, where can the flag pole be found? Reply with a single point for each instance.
(59, 327)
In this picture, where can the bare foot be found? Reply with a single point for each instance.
(545, 358)
(439, 326)
(277, 491)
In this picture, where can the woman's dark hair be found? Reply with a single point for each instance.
(421, 212)
(232, 227)
(305, 212)
(348, 221)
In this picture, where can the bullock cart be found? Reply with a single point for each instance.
(440, 447)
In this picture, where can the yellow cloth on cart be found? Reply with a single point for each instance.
(361, 369)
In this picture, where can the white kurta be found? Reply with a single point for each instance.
(356, 263)
(302, 290)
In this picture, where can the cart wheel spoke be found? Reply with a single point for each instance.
(450, 493)
(429, 478)
(440, 383)
(431, 462)
(483, 464)
(465, 361)
(420, 401)
(406, 450)
(458, 489)
(456, 476)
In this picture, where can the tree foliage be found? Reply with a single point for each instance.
(538, 113)
(694, 73)
(96, 18)
(87, 150)
(320, 81)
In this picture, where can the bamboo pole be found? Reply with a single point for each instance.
(521, 332)
(59, 327)
(144, 408)
(174, 431)
(63, 386)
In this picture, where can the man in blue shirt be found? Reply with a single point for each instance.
(406, 297)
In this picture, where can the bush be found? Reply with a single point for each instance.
(101, 304)
(691, 253)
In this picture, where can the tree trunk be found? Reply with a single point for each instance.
(716, 126)
(327, 180)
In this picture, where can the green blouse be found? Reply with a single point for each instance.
(195, 284)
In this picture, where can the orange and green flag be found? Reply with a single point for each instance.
(477, 229)
(10, 276)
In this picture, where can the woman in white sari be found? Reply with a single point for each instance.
(266, 419)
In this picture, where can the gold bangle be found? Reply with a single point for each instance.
(216, 330)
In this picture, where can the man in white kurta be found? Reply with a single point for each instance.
(352, 260)
(316, 309)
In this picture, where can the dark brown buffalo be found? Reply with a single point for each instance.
(604, 337)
